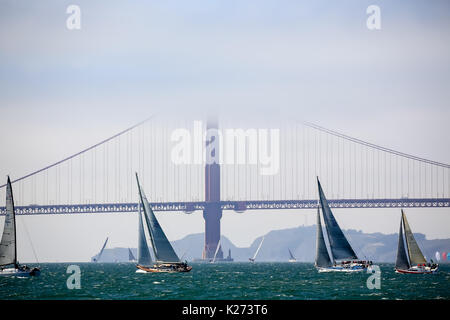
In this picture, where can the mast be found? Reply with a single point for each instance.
(144, 257)
(101, 251)
(290, 254)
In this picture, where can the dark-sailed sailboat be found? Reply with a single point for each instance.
(9, 266)
(291, 257)
(409, 256)
(164, 254)
(131, 255)
(99, 255)
(341, 257)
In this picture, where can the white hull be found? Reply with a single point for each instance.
(350, 269)
(13, 272)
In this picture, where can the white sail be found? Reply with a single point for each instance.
(257, 250)
(215, 253)
(8, 250)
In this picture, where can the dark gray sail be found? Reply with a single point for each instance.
(8, 248)
(402, 258)
(130, 255)
(291, 255)
(415, 255)
(144, 257)
(161, 246)
(322, 256)
(339, 245)
(97, 259)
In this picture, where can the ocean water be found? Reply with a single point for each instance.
(262, 281)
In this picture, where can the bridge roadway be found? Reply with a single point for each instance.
(239, 206)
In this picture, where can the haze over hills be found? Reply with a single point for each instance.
(301, 241)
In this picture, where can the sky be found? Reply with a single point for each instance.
(62, 90)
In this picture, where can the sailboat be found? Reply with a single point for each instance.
(291, 257)
(257, 250)
(409, 258)
(342, 257)
(215, 253)
(131, 255)
(99, 255)
(165, 256)
(9, 266)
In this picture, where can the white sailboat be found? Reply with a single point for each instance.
(215, 253)
(410, 258)
(257, 250)
(342, 257)
(9, 266)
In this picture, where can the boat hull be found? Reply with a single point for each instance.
(344, 268)
(15, 272)
(425, 270)
(174, 268)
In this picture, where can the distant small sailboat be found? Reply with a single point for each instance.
(257, 250)
(8, 243)
(131, 256)
(340, 248)
(409, 258)
(99, 255)
(215, 253)
(291, 257)
(166, 258)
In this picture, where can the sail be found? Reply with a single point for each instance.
(322, 256)
(217, 250)
(291, 255)
(402, 258)
(257, 250)
(144, 257)
(8, 250)
(415, 255)
(130, 255)
(340, 247)
(161, 246)
(101, 251)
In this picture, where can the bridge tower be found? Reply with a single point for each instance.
(212, 212)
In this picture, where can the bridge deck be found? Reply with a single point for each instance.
(239, 206)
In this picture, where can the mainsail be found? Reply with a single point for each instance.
(161, 246)
(257, 250)
(8, 249)
(217, 250)
(415, 255)
(101, 251)
(144, 258)
(322, 256)
(291, 255)
(130, 255)
(402, 258)
(339, 245)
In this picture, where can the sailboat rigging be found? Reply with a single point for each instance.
(291, 256)
(215, 253)
(341, 257)
(257, 250)
(410, 258)
(9, 266)
(163, 252)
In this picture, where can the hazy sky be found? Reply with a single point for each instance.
(63, 90)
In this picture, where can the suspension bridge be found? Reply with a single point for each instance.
(354, 173)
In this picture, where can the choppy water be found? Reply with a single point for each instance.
(224, 281)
